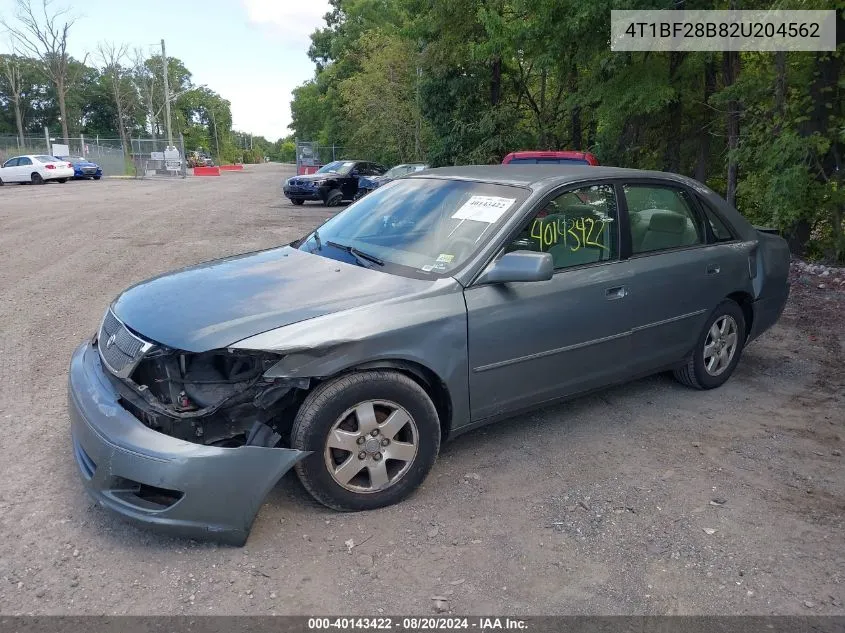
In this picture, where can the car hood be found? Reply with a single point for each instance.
(215, 304)
(322, 176)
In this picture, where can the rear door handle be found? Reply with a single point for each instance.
(615, 293)
(713, 269)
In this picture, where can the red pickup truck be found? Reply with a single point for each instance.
(550, 158)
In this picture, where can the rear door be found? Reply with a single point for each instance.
(536, 341)
(678, 275)
(24, 169)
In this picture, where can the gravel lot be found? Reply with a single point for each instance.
(645, 499)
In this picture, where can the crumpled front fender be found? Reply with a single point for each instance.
(175, 486)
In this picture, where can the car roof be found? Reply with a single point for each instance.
(543, 176)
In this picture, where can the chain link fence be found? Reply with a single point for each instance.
(143, 158)
(310, 156)
(154, 157)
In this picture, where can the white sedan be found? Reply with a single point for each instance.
(36, 169)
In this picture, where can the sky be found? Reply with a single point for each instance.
(251, 52)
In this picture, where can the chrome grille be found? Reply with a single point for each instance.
(119, 348)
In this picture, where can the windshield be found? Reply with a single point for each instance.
(401, 170)
(337, 166)
(419, 227)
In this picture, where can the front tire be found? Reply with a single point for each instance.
(297, 202)
(374, 437)
(97, 177)
(717, 350)
(334, 198)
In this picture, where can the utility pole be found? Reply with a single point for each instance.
(166, 95)
(216, 140)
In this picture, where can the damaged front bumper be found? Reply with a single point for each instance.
(176, 486)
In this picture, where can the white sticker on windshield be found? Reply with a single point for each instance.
(484, 208)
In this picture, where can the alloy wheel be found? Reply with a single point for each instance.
(720, 345)
(371, 446)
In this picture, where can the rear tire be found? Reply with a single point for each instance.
(717, 352)
(62, 181)
(334, 198)
(371, 459)
(297, 203)
(36, 179)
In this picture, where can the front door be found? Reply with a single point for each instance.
(536, 341)
(9, 173)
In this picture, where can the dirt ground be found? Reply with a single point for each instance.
(648, 498)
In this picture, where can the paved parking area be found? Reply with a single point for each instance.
(647, 498)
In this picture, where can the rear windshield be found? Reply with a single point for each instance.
(548, 161)
(47, 159)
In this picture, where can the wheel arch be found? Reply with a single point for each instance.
(746, 303)
(431, 383)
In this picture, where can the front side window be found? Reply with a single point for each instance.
(577, 227)
(661, 218)
(12, 162)
(420, 227)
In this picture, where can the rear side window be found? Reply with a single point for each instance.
(661, 218)
(720, 230)
(23, 160)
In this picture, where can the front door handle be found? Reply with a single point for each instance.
(713, 269)
(615, 293)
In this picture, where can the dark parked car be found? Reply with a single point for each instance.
(542, 157)
(366, 184)
(441, 302)
(84, 168)
(332, 183)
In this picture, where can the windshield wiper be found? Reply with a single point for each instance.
(358, 254)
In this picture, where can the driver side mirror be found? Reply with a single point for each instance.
(518, 266)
